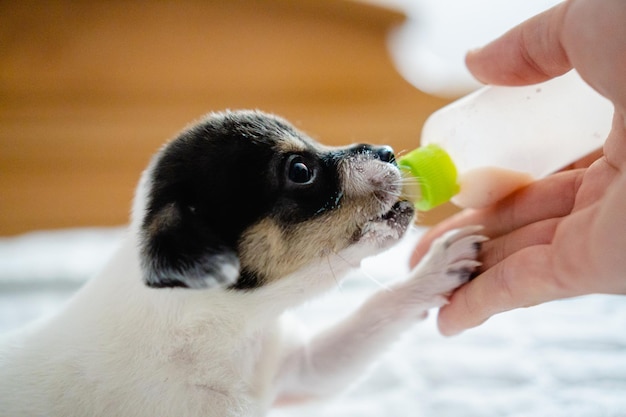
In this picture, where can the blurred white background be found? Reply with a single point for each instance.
(429, 48)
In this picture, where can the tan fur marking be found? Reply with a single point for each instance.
(291, 144)
(274, 251)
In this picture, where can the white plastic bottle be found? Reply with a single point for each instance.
(486, 145)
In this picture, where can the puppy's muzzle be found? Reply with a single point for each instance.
(383, 153)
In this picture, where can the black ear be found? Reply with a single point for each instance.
(180, 250)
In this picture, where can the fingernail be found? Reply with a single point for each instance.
(475, 50)
(447, 330)
(450, 332)
(470, 63)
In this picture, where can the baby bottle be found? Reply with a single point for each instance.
(486, 145)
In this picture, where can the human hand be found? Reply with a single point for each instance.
(565, 235)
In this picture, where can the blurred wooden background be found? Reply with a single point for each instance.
(89, 90)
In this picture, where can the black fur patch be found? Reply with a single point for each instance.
(214, 181)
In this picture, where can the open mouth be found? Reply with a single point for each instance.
(390, 226)
(399, 216)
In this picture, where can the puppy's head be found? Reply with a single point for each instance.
(241, 199)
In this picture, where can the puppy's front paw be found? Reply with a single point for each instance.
(449, 263)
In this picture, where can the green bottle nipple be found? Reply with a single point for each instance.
(433, 169)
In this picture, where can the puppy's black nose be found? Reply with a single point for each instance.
(385, 154)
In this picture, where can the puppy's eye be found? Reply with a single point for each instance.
(298, 172)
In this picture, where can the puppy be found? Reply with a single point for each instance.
(237, 220)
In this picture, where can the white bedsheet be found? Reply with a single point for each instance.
(566, 358)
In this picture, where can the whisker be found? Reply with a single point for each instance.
(420, 182)
(411, 180)
(330, 267)
(401, 153)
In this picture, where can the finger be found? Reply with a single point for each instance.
(524, 279)
(496, 250)
(529, 53)
(585, 161)
(551, 197)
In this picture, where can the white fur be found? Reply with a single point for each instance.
(119, 348)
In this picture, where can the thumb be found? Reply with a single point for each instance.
(529, 53)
